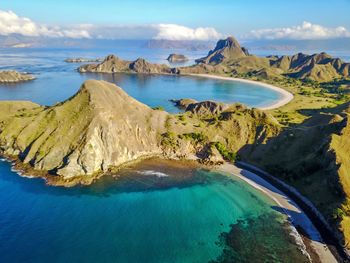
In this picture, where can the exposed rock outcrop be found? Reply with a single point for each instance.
(113, 64)
(12, 76)
(177, 58)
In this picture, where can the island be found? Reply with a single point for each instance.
(113, 64)
(12, 76)
(177, 58)
(82, 60)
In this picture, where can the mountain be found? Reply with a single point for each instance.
(225, 50)
(113, 64)
(229, 57)
(12, 76)
(98, 128)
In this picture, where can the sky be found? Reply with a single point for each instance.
(177, 19)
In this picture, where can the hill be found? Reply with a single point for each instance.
(314, 157)
(113, 64)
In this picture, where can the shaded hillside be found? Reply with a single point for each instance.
(314, 157)
(113, 64)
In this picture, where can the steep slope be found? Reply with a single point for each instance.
(113, 64)
(12, 76)
(98, 128)
(314, 157)
(226, 49)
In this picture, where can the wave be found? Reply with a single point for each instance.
(152, 172)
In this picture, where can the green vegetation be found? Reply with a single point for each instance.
(230, 156)
(197, 137)
(161, 108)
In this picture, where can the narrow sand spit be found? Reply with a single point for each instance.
(285, 95)
(290, 208)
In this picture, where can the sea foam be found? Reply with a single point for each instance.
(152, 172)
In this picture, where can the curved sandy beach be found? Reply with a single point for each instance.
(290, 208)
(285, 95)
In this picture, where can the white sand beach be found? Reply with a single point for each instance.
(287, 205)
(285, 95)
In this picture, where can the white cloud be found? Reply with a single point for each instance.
(11, 23)
(306, 30)
(177, 32)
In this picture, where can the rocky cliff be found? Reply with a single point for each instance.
(113, 64)
(12, 76)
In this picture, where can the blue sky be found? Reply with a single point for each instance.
(227, 17)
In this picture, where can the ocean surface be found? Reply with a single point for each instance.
(155, 212)
(58, 80)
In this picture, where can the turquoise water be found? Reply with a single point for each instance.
(177, 215)
(57, 80)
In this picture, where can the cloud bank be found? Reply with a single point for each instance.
(11, 23)
(306, 30)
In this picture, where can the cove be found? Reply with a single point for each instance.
(153, 212)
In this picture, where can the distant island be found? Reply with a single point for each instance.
(82, 60)
(12, 76)
(177, 58)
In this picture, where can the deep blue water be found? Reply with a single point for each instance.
(175, 217)
(57, 80)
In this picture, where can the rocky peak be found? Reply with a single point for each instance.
(225, 49)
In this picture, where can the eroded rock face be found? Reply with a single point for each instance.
(12, 76)
(113, 64)
(99, 127)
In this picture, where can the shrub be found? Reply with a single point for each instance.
(159, 108)
(230, 156)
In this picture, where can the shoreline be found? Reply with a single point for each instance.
(297, 216)
(286, 96)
